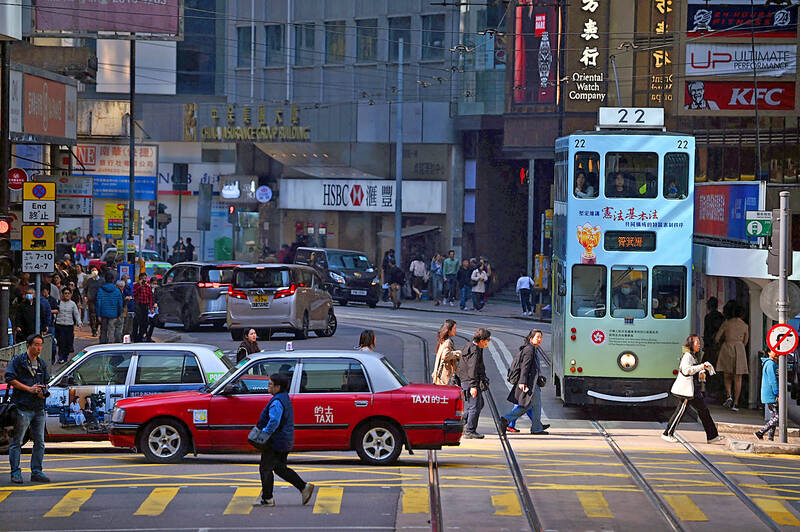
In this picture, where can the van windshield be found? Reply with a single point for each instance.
(349, 261)
(266, 278)
(220, 274)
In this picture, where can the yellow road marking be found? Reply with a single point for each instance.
(242, 501)
(685, 508)
(70, 503)
(329, 500)
(415, 501)
(157, 501)
(777, 511)
(4, 495)
(594, 504)
(506, 504)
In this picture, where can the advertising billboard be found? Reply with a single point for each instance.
(109, 165)
(739, 95)
(721, 208)
(534, 52)
(717, 59)
(735, 19)
(81, 17)
(586, 55)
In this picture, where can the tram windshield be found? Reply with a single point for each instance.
(628, 291)
(631, 175)
(588, 291)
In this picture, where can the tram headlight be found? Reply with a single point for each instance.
(627, 361)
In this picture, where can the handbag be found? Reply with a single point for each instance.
(541, 381)
(258, 438)
(8, 411)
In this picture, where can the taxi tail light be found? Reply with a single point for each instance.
(459, 406)
(286, 292)
(238, 294)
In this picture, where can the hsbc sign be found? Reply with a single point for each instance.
(739, 95)
(362, 195)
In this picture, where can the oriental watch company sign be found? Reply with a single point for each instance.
(244, 123)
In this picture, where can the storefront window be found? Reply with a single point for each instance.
(588, 291)
(631, 175)
(628, 292)
(669, 292)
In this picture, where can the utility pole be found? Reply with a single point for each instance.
(5, 159)
(530, 250)
(127, 230)
(398, 172)
(784, 256)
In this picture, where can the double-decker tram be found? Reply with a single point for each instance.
(622, 259)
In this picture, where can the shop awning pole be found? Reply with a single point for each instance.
(398, 173)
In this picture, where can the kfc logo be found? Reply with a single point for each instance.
(737, 95)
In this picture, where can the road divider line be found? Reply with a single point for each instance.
(242, 501)
(70, 503)
(506, 503)
(329, 500)
(777, 511)
(415, 501)
(685, 508)
(509, 358)
(498, 360)
(594, 504)
(157, 501)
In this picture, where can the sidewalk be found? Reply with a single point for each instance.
(494, 308)
(739, 428)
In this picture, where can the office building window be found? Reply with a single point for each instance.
(196, 54)
(433, 37)
(399, 28)
(274, 43)
(243, 37)
(367, 39)
(304, 44)
(334, 42)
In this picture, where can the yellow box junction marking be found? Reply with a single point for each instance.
(777, 511)
(242, 501)
(4, 495)
(594, 504)
(506, 503)
(329, 500)
(157, 501)
(415, 501)
(685, 508)
(70, 503)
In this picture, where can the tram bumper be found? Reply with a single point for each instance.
(614, 391)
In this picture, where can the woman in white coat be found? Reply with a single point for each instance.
(687, 389)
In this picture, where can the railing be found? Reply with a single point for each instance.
(8, 353)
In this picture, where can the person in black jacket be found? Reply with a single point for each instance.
(526, 394)
(464, 280)
(472, 373)
(396, 280)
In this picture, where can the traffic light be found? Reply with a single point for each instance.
(232, 214)
(6, 255)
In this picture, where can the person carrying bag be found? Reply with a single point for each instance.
(447, 357)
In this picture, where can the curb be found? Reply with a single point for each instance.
(760, 447)
(740, 428)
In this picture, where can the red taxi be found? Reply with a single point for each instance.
(342, 400)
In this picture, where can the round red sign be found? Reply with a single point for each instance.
(16, 177)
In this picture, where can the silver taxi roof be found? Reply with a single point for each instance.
(170, 346)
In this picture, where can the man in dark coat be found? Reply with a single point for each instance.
(472, 372)
(526, 395)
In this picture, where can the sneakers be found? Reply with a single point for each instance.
(39, 477)
(473, 436)
(307, 492)
(759, 434)
(452, 304)
(16, 479)
(671, 439)
(734, 408)
(512, 429)
(530, 313)
(718, 439)
(545, 426)
(265, 502)
(728, 402)
(524, 313)
(503, 425)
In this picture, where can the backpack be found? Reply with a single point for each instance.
(513, 374)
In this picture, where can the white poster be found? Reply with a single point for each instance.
(362, 195)
(714, 59)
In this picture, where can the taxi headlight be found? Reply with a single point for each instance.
(627, 361)
(118, 416)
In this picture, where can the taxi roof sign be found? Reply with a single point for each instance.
(39, 191)
(38, 238)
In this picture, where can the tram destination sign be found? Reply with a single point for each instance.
(631, 117)
(629, 241)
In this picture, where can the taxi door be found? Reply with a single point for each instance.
(333, 395)
(232, 415)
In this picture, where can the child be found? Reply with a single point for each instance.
(769, 393)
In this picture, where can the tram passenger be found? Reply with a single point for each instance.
(617, 185)
(583, 188)
(625, 296)
(447, 357)
(687, 389)
(732, 361)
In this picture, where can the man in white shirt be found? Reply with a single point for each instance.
(418, 273)
(524, 286)
(67, 318)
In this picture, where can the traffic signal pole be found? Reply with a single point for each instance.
(5, 159)
(784, 256)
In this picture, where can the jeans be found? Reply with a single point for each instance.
(472, 408)
(92, 310)
(140, 322)
(772, 424)
(65, 335)
(699, 405)
(466, 291)
(450, 287)
(275, 461)
(477, 300)
(35, 420)
(436, 284)
(109, 328)
(525, 299)
(534, 412)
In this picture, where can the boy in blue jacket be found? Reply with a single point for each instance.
(769, 394)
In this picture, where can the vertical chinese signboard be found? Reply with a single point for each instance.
(586, 58)
(654, 68)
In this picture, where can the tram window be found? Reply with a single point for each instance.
(628, 291)
(669, 292)
(587, 167)
(676, 175)
(631, 175)
(588, 291)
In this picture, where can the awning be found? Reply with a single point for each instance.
(411, 231)
(341, 172)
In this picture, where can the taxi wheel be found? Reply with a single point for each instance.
(330, 326)
(302, 333)
(164, 441)
(379, 443)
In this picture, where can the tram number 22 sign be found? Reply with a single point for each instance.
(630, 117)
(782, 339)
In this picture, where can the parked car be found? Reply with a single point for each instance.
(156, 269)
(193, 293)
(109, 257)
(279, 298)
(99, 376)
(342, 400)
(348, 275)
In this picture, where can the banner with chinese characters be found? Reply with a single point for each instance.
(721, 209)
(362, 195)
(735, 19)
(703, 95)
(587, 55)
(717, 59)
(109, 165)
(244, 123)
(534, 52)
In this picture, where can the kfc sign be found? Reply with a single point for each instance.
(714, 59)
(739, 95)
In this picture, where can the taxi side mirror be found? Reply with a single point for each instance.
(66, 381)
(230, 389)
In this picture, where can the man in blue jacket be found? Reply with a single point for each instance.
(769, 393)
(277, 420)
(109, 309)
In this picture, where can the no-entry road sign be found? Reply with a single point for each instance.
(782, 338)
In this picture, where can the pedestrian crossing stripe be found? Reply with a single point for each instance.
(777, 511)
(242, 501)
(506, 503)
(70, 503)
(329, 500)
(415, 501)
(157, 501)
(594, 504)
(685, 508)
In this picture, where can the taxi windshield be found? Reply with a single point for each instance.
(212, 386)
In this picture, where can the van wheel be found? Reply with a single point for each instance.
(330, 328)
(378, 443)
(164, 441)
(302, 333)
(237, 334)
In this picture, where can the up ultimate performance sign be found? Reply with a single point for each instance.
(587, 56)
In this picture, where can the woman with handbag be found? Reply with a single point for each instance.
(687, 389)
(526, 395)
(444, 369)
